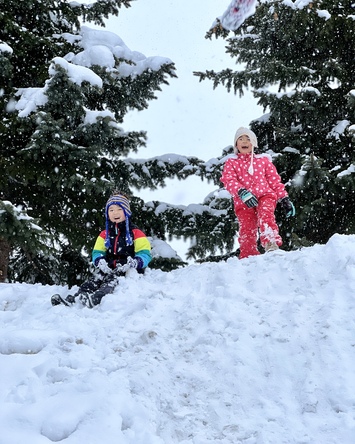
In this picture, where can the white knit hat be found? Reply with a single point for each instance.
(246, 132)
(253, 140)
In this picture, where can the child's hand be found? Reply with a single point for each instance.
(103, 266)
(131, 263)
(287, 206)
(134, 262)
(248, 198)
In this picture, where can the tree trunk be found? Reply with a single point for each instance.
(4, 258)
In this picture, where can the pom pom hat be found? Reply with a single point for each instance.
(123, 202)
(253, 140)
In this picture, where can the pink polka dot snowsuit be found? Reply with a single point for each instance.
(266, 185)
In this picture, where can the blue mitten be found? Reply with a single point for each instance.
(287, 206)
(248, 198)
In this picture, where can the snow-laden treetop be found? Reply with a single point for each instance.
(100, 48)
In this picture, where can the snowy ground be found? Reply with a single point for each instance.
(254, 351)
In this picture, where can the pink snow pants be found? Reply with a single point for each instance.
(253, 220)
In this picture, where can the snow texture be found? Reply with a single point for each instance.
(99, 48)
(5, 48)
(300, 4)
(257, 351)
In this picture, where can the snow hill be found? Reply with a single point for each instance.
(254, 351)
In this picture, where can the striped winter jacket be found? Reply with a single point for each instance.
(119, 250)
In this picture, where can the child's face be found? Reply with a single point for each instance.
(116, 214)
(244, 145)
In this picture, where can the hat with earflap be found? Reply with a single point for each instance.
(122, 201)
(253, 140)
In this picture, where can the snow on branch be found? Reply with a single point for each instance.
(154, 171)
(4, 47)
(77, 74)
(104, 48)
(100, 48)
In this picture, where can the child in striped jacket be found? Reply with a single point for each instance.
(118, 248)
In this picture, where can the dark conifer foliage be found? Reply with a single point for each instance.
(298, 60)
(59, 165)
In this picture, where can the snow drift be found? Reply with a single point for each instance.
(254, 351)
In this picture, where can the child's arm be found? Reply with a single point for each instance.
(282, 196)
(142, 249)
(229, 179)
(99, 251)
(236, 188)
(274, 180)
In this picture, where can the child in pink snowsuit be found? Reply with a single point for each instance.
(256, 188)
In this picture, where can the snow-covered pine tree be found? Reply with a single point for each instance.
(61, 144)
(298, 57)
(66, 90)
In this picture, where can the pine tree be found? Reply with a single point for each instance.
(297, 57)
(62, 148)
(26, 237)
(211, 225)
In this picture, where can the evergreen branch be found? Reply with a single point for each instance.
(95, 12)
(229, 79)
(217, 30)
(153, 172)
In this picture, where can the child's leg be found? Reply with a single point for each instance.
(248, 232)
(91, 285)
(107, 286)
(86, 288)
(269, 231)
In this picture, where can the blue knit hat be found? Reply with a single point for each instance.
(123, 202)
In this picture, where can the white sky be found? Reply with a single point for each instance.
(189, 117)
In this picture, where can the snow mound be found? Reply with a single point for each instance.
(254, 351)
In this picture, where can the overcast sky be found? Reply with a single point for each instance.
(189, 117)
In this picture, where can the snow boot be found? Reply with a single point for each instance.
(57, 299)
(86, 299)
(90, 300)
(270, 246)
